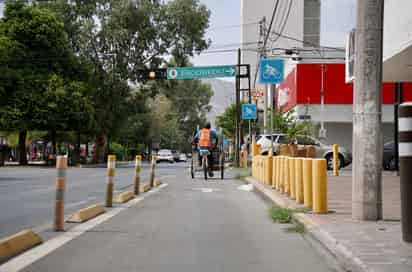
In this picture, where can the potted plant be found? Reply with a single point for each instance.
(295, 129)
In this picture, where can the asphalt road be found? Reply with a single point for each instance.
(27, 193)
(190, 225)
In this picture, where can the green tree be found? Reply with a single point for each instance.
(227, 121)
(38, 79)
(119, 37)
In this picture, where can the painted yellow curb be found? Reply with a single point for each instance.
(124, 197)
(17, 243)
(157, 182)
(145, 188)
(86, 214)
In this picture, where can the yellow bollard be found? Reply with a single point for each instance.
(268, 167)
(319, 179)
(281, 174)
(153, 170)
(138, 167)
(287, 181)
(61, 166)
(307, 182)
(253, 166)
(292, 178)
(298, 181)
(262, 170)
(111, 169)
(274, 159)
(277, 173)
(335, 160)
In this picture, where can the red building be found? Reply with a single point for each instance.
(302, 91)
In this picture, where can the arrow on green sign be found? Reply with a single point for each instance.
(201, 72)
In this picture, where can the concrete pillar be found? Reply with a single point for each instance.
(367, 119)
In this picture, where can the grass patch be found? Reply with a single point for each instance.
(241, 173)
(281, 215)
(296, 228)
(302, 210)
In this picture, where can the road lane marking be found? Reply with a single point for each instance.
(22, 261)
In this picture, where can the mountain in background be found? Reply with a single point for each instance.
(223, 96)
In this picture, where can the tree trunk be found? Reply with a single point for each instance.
(87, 150)
(76, 154)
(22, 147)
(54, 148)
(100, 149)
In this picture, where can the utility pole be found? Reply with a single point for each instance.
(237, 95)
(265, 95)
(367, 107)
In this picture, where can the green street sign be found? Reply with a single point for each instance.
(201, 72)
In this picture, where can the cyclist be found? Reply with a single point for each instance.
(207, 139)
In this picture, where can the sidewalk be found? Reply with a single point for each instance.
(357, 245)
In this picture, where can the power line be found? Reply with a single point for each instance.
(231, 45)
(284, 22)
(305, 42)
(270, 24)
(232, 26)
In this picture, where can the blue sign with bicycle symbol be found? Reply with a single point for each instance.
(249, 111)
(271, 71)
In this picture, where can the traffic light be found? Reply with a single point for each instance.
(151, 74)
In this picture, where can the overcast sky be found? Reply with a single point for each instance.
(338, 17)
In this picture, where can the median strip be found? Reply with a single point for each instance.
(145, 188)
(157, 182)
(17, 243)
(85, 214)
(124, 197)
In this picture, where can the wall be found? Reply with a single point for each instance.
(307, 86)
(397, 41)
(341, 134)
(253, 11)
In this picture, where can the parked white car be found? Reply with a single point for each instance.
(183, 157)
(165, 155)
(322, 150)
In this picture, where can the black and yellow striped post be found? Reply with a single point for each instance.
(111, 170)
(61, 166)
(153, 171)
(138, 168)
(405, 155)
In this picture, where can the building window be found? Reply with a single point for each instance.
(311, 23)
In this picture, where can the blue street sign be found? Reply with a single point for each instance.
(249, 111)
(201, 72)
(271, 71)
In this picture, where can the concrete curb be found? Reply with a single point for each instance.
(343, 255)
(124, 197)
(157, 182)
(86, 214)
(17, 243)
(145, 188)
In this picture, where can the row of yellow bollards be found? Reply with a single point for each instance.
(302, 179)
